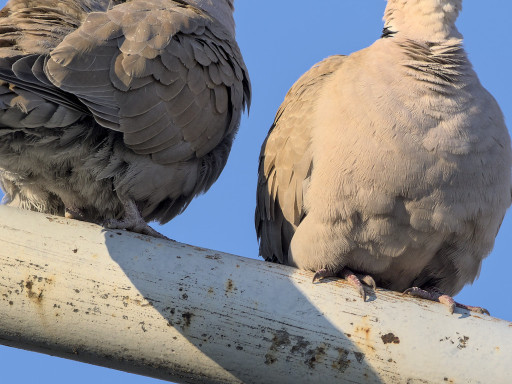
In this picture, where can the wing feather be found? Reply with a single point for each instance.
(286, 162)
(153, 72)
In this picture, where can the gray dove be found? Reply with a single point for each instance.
(390, 166)
(117, 112)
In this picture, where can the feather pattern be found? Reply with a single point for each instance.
(101, 99)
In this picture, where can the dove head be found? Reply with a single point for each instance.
(222, 10)
(423, 20)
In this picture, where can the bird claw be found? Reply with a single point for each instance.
(470, 308)
(350, 277)
(369, 281)
(134, 226)
(132, 220)
(448, 302)
(322, 273)
(74, 214)
(435, 295)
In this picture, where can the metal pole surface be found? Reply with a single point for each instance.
(191, 315)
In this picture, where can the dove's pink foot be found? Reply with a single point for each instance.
(433, 294)
(133, 221)
(353, 279)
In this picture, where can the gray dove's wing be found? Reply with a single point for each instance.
(28, 31)
(29, 100)
(165, 74)
(156, 87)
(286, 162)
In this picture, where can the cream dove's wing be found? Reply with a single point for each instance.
(393, 162)
(117, 111)
(286, 162)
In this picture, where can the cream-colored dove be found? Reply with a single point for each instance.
(393, 162)
(117, 111)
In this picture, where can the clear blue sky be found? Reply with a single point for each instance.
(280, 40)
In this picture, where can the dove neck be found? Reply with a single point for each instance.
(222, 10)
(423, 20)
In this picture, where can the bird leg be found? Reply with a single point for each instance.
(132, 220)
(355, 280)
(434, 294)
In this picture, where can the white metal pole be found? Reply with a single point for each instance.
(186, 314)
